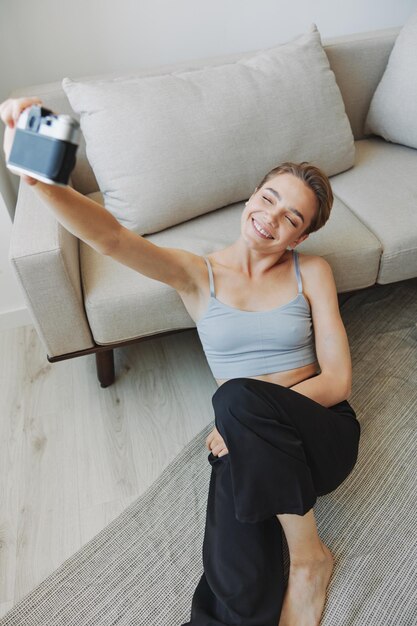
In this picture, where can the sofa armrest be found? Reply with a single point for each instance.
(45, 257)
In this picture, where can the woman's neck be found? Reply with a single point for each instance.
(252, 262)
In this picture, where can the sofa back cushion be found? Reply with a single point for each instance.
(358, 61)
(167, 148)
(393, 110)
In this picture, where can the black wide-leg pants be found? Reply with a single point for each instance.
(284, 450)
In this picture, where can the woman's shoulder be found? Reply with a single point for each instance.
(316, 273)
(313, 263)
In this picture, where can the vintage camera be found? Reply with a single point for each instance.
(44, 145)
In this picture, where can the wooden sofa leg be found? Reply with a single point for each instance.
(105, 367)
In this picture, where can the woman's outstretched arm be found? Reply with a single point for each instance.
(97, 227)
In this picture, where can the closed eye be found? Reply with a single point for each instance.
(270, 202)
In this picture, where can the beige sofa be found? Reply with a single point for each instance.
(82, 302)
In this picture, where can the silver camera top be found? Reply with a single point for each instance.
(39, 120)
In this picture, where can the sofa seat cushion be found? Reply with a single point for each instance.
(382, 192)
(122, 304)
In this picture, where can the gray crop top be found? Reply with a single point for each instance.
(241, 343)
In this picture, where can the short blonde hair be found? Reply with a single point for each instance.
(318, 182)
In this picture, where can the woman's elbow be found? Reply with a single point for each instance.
(348, 392)
(341, 383)
(110, 244)
(347, 386)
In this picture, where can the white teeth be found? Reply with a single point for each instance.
(261, 230)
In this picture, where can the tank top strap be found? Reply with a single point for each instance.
(210, 271)
(297, 271)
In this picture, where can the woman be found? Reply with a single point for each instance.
(285, 433)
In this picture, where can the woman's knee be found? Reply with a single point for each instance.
(234, 390)
(237, 397)
(228, 402)
(228, 394)
(240, 398)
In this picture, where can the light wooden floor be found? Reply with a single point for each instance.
(73, 455)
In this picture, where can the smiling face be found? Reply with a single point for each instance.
(278, 213)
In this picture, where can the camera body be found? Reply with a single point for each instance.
(44, 146)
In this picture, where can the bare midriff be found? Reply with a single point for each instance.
(289, 378)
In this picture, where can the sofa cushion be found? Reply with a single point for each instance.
(393, 109)
(122, 304)
(358, 61)
(167, 148)
(382, 192)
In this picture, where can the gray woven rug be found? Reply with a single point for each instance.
(142, 569)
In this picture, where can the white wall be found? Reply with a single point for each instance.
(43, 41)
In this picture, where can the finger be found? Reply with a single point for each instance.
(213, 444)
(224, 452)
(17, 108)
(218, 449)
(6, 111)
(27, 100)
(29, 180)
(217, 441)
(21, 104)
(211, 437)
(10, 109)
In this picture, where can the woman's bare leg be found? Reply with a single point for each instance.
(311, 566)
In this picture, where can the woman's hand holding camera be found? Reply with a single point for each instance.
(215, 443)
(10, 111)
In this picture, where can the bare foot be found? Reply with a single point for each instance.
(306, 592)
